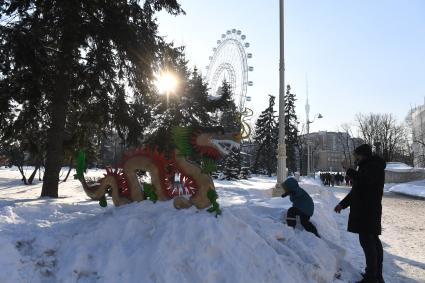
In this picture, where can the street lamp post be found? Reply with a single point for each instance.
(319, 116)
(308, 158)
(281, 150)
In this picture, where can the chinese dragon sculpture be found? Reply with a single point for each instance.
(194, 185)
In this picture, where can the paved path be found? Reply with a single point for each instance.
(403, 237)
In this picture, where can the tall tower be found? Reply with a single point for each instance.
(307, 107)
(307, 114)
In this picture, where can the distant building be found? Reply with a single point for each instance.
(418, 134)
(329, 149)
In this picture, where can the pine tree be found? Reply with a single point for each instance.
(291, 130)
(266, 140)
(93, 54)
(245, 173)
(231, 165)
(188, 106)
(228, 115)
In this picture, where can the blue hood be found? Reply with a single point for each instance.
(291, 185)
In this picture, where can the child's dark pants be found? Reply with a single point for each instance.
(291, 219)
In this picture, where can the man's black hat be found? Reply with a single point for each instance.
(364, 149)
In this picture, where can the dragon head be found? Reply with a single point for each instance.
(214, 142)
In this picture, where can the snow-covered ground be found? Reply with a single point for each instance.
(415, 189)
(73, 239)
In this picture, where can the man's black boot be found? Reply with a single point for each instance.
(368, 280)
(380, 278)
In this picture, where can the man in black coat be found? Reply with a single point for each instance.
(365, 202)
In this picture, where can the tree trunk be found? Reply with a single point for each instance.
(21, 170)
(59, 106)
(31, 178)
(39, 174)
(69, 170)
(55, 137)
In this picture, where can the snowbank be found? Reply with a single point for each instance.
(72, 239)
(415, 189)
(397, 166)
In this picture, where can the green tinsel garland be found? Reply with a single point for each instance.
(149, 191)
(81, 164)
(181, 138)
(103, 202)
(213, 196)
(208, 165)
(81, 167)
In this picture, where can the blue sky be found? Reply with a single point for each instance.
(359, 55)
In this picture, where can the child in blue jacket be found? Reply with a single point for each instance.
(302, 205)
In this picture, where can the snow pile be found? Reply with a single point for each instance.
(73, 239)
(398, 167)
(415, 189)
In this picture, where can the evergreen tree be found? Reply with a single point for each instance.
(229, 116)
(231, 165)
(245, 173)
(90, 54)
(266, 140)
(291, 130)
(188, 106)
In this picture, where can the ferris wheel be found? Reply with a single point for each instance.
(230, 62)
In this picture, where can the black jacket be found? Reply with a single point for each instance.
(365, 198)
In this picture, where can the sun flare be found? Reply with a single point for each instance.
(166, 83)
